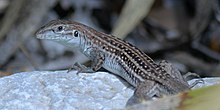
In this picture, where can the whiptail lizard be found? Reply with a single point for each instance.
(119, 57)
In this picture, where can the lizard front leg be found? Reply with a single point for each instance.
(97, 57)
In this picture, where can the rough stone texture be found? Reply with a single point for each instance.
(59, 90)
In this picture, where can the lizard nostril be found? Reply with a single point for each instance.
(38, 32)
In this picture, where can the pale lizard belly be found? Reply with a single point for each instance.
(114, 66)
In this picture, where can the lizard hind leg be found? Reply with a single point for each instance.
(144, 91)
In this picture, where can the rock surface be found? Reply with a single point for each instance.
(59, 90)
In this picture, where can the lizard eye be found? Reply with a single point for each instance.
(60, 28)
(76, 34)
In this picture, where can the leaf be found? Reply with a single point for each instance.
(133, 12)
(206, 98)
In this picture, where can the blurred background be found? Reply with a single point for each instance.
(184, 32)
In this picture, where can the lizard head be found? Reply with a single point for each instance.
(60, 31)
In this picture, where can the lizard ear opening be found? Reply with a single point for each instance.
(76, 34)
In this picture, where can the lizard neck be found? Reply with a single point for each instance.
(85, 44)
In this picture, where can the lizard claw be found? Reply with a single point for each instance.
(199, 80)
(80, 68)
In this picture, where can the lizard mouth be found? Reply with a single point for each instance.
(53, 37)
(47, 37)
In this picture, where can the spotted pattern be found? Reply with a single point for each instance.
(136, 65)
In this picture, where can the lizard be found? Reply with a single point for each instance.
(119, 57)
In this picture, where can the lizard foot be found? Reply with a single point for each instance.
(143, 92)
(80, 68)
(137, 99)
(200, 80)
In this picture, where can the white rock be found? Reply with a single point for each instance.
(207, 82)
(59, 90)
